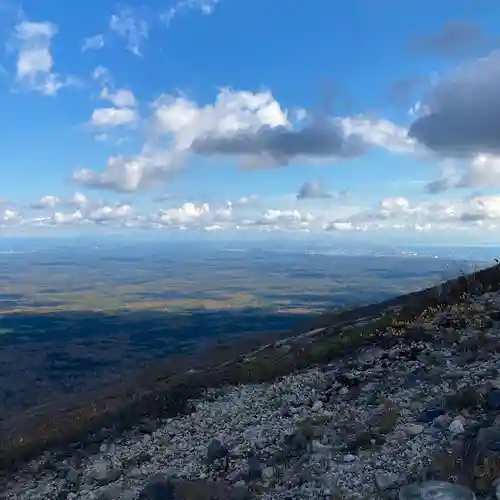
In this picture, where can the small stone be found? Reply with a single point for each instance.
(343, 391)
(268, 473)
(349, 457)
(318, 405)
(320, 448)
(413, 429)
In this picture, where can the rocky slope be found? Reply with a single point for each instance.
(411, 398)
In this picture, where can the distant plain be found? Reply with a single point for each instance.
(74, 317)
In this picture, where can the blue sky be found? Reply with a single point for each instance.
(285, 116)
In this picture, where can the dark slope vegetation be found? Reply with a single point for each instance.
(165, 391)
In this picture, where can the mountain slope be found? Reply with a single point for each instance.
(395, 324)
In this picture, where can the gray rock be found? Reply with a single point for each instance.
(435, 489)
(73, 476)
(254, 468)
(216, 451)
(103, 472)
(413, 429)
(159, 488)
(387, 481)
(110, 492)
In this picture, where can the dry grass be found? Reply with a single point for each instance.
(478, 474)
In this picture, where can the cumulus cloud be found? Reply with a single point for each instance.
(130, 26)
(124, 111)
(482, 172)
(391, 213)
(255, 126)
(391, 206)
(251, 128)
(460, 116)
(47, 201)
(188, 213)
(323, 139)
(127, 174)
(456, 37)
(481, 208)
(32, 41)
(312, 189)
(79, 200)
(399, 213)
(95, 42)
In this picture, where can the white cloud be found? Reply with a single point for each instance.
(246, 200)
(393, 206)
(113, 117)
(102, 75)
(79, 200)
(10, 215)
(107, 213)
(205, 7)
(130, 173)
(122, 98)
(32, 41)
(47, 201)
(61, 218)
(188, 213)
(481, 172)
(130, 26)
(95, 42)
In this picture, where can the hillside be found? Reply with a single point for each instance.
(354, 404)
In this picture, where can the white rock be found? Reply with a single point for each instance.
(457, 426)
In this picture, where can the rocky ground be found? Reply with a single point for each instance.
(373, 425)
